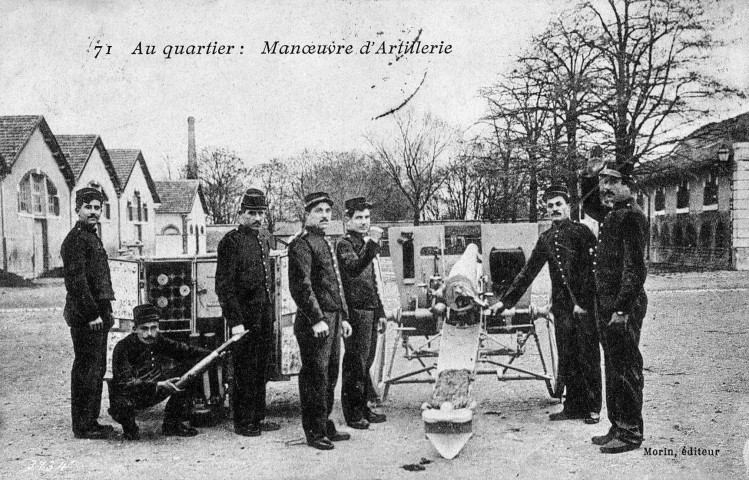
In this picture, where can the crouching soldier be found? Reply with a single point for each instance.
(145, 367)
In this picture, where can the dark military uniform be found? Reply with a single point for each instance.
(89, 296)
(244, 285)
(620, 273)
(568, 248)
(355, 257)
(136, 369)
(315, 286)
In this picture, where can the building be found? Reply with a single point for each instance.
(697, 198)
(35, 185)
(181, 218)
(92, 166)
(138, 201)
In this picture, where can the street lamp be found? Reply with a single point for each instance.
(723, 154)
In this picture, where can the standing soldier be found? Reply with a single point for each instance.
(88, 313)
(245, 290)
(620, 273)
(357, 252)
(568, 247)
(321, 319)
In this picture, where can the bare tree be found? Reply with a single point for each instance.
(520, 104)
(223, 176)
(413, 157)
(274, 178)
(650, 52)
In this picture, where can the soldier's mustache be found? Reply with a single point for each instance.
(256, 224)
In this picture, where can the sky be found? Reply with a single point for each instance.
(265, 106)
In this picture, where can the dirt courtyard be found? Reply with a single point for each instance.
(696, 413)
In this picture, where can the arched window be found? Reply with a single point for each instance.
(130, 210)
(170, 230)
(682, 195)
(710, 194)
(37, 195)
(145, 212)
(705, 236)
(191, 229)
(202, 230)
(660, 199)
(665, 237)
(138, 206)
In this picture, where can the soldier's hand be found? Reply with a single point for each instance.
(346, 329)
(618, 320)
(382, 325)
(169, 385)
(96, 325)
(578, 310)
(320, 329)
(237, 330)
(497, 307)
(375, 233)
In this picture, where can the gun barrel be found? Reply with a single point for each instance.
(202, 365)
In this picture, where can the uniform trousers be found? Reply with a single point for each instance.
(124, 404)
(251, 356)
(579, 361)
(318, 376)
(358, 358)
(87, 376)
(623, 370)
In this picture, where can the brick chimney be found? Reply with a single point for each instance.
(192, 158)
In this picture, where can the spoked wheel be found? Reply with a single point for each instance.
(546, 340)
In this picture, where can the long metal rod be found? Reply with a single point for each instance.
(518, 369)
(410, 374)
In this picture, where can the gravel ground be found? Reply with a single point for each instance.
(693, 341)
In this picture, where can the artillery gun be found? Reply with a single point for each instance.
(451, 313)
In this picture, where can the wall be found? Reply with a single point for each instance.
(137, 181)
(95, 171)
(740, 218)
(19, 227)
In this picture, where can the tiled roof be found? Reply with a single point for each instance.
(698, 150)
(177, 196)
(78, 149)
(15, 132)
(124, 160)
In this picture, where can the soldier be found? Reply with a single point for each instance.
(245, 290)
(620, 272)
(321, 319)
(357, 253)
(88, 313)
(568, 247)
(144, 374)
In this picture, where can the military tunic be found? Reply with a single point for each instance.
(315, 286)
(137, 368)
(245, 287)
(620, 273)
(356, 259)
(89, 296)
(568, 248)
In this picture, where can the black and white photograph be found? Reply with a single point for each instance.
(381, 240)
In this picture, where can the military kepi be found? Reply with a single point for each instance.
(557, 190)
(356, 204)
(86, 195)
(314, 198)
(145, 314)
(254, 199)
(618, 170)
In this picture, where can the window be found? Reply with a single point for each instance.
(37, 195)
(130, 210)
(682, 195)
(202, 230)
(139, 232)
(660, 199)
(190, 229)
(107, 210)
(710, 194)
(170, 230)
(138, 206)
(53, 201)
(145, 212)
